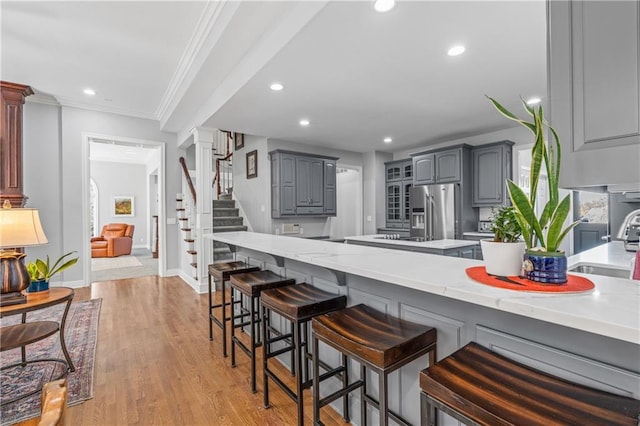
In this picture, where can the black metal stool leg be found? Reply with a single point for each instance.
(224, 318)
(363, 393)
(298, 367)
(210, 310)
(266, 348)
(254, 341)
(233, 327)
(345, 383)
(316, 382)
(383, 399)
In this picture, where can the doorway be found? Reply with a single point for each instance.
(348, 219)
(120, 171)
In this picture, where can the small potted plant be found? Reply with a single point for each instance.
(40, 271)
(503, 255)
(544, 261)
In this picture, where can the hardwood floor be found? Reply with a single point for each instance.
(155, 364)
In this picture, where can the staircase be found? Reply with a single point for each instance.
(226, 218)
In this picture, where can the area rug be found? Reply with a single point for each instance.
(81, 332)
(104, 263)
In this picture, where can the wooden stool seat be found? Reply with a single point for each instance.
(251, 284)
(220, 273)
(380, 339)
(480, 387)
(301, 301)
(223, 271)
(298, 304)
(379, 342)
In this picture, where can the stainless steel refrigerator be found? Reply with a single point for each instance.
(435, 212)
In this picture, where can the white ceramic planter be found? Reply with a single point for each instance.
(502, 258)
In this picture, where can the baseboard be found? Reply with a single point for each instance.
(172, 273)
(195, 285)
(140, 246)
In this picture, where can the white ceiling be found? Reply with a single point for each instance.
(356, 74)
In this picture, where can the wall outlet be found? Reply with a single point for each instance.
(369, 218)
(291, 228)
(301, 231)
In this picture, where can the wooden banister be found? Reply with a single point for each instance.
(185, 170)
(216, 177)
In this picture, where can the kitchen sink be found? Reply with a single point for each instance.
(600, 270)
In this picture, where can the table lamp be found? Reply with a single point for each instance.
(18, 228)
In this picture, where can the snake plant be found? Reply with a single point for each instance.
(546, 231)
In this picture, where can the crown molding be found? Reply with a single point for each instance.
(42, 98)
(113, 110)
(191, 60)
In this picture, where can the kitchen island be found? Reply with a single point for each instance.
(591, 338)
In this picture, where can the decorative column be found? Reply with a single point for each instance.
(203, 139)
(12, 97)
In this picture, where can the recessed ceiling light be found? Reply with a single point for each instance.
(383, 5)
(304, 122)
(456, 50)
(533, 101)
(276, 87)
(387, 140)
(89, 92)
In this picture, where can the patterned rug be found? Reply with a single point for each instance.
(80, 336)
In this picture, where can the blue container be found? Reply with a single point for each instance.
(38, 285)
(546, 268)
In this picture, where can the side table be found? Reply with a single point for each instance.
(25, 333)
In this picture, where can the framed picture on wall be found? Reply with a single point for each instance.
(252, 164)
(238, 140)
(123, 206)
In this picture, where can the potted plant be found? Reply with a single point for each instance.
(503, 254)
(544, 261)
(40, 271)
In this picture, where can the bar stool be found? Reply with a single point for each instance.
(220, 272)
(251, 284)
(298, 304)
(378, 341)
(480, 387)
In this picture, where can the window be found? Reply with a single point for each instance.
(591, 207)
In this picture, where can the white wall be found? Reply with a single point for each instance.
(115, 179)
(53, 172)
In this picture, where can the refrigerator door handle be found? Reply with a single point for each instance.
(429, 218)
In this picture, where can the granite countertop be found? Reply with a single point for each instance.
(436, 244)
(612, 309)
(610, 255)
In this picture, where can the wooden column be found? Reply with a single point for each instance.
(12, 97)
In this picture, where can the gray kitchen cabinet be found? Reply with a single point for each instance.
(424, 169)
(329, 187)
(594, 81)
(302, 184)
(490, 168)
(399, 180)
(442, 166)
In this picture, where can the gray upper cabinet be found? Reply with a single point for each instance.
(594, 82)
(424, 169)
(399, 179)
(437, 167)
(329, 187)
(490, 167)
(302, 184)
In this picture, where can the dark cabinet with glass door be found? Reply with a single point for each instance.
(399, 179)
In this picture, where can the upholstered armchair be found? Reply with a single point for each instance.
(115, 239)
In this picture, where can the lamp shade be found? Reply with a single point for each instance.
(20, 228)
